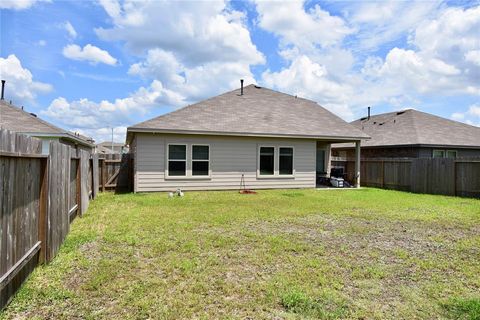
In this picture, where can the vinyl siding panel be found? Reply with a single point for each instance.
(230, 157)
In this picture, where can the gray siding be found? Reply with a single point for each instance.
(229, 158)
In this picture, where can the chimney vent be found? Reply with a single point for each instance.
(3, 90)
(368, 118)
(241, 87)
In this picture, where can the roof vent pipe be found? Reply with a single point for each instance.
(3, 89)
(241, 87)
(368, 118)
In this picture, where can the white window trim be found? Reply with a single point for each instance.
(167, 160)
(266, 176)
(276, 163)
(293, 163)
(192, 160)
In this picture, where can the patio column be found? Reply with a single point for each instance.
(357, 164)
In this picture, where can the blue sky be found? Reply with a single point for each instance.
(90, 66)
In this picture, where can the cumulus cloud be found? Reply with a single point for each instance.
(442, 58)
(88, 117)
(200, 32)
(18, 4)
(471, 116)
(20, 86)
(89, 53)
(72, 33)
(311, 80)
(303, 29)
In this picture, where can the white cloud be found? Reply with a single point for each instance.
(382, 22)
(70, 29)
(18, 4)
(88, 53)
(88, 116)
(196, 33)
(303, 29)
(193, 83)
(471, 116)
(20, 86)
(473, 56)
(311, 80)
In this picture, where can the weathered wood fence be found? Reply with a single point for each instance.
(116, 172)
(39, 196)
(454, 177)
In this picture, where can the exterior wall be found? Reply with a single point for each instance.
(230, 157)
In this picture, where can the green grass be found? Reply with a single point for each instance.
(285, 254)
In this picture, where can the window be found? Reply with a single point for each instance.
(200, 160)
(285, 163)
(451, 154)
(177, 160)
(439, 153)
(267, 162)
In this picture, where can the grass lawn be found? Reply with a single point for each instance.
(284, 254)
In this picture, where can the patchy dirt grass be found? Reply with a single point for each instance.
(359, 254)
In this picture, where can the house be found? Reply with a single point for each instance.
(16, 119)
(413, 134)
(271, 139)
(109, 147)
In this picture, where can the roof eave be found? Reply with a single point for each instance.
(60, 135)
(245, 134)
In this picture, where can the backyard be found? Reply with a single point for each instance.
(291, 254)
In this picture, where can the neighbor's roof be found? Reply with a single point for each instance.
(258, 112)
(412, 127)
(108, 144)
(15, 119)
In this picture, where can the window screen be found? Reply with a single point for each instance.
(285, 165)
(177, 160)
(200, 160)
(267, 156)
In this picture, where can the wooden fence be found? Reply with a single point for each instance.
(454, 177)
(116, 172)
(39, 196)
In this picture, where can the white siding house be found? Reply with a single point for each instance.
(215, 144)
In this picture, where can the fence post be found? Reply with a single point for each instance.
(42, 218)
(79, 186)
(103, 175)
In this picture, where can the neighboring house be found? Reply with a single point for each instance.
(273, 140)
(117, 147)
(413, 134)
(16, 119)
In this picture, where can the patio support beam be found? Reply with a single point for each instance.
(357, 164)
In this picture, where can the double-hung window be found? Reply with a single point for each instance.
(177, 160)
(285, 162)
(200, 160)
(267, 161)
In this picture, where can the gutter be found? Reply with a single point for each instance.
(246, 134)
(66, 136)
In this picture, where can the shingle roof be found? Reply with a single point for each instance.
(412, 127)
(15, 119)
(258, 112)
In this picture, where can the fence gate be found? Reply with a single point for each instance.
(116, 172)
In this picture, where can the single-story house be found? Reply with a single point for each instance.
(18, 120)
(412, 134)
(266, 138)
